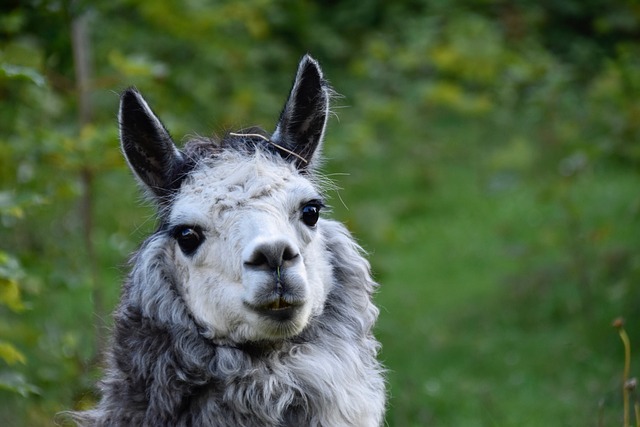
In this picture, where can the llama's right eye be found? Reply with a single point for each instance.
(189, 238)
(311, 213)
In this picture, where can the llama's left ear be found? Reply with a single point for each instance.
(147, 146)
(304, 117)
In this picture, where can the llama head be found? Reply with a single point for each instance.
(240, 226)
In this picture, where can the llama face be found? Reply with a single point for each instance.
(259, 271)
(241, 217)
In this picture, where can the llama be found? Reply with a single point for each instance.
(245, 307)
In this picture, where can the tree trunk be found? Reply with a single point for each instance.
(81, 57)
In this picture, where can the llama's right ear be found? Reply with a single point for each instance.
(147, 145)
(304, 117)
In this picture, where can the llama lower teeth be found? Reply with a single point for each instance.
(278, 304)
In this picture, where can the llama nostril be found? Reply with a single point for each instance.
(272, 254)
(289, 254)
(257, 259)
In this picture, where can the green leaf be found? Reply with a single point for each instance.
(10, 354)
(17, 383)
(20, 72)
(10, 294)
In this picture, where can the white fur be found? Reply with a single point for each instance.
(217, 284)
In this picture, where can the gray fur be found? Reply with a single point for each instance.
(164, 367)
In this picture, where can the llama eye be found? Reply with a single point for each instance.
(311, 213)
(189, 238)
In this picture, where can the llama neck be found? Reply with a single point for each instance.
(199, 378)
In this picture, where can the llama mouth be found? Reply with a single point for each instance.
(279, 308)
(278, 304)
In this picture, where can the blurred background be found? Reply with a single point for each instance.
(488, 155)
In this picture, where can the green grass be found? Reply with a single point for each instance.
(483, 320)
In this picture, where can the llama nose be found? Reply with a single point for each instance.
(272, 254)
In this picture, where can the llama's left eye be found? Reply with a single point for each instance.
(311, 213)
(189, 238)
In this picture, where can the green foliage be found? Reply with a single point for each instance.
(492, 151)
(11, 274)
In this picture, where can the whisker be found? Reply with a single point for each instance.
(280, 147)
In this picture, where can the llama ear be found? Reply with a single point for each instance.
(147, 145)
(304, 117)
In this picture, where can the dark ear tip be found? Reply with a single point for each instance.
(130, 96)
(308, 64)
(308, 59)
